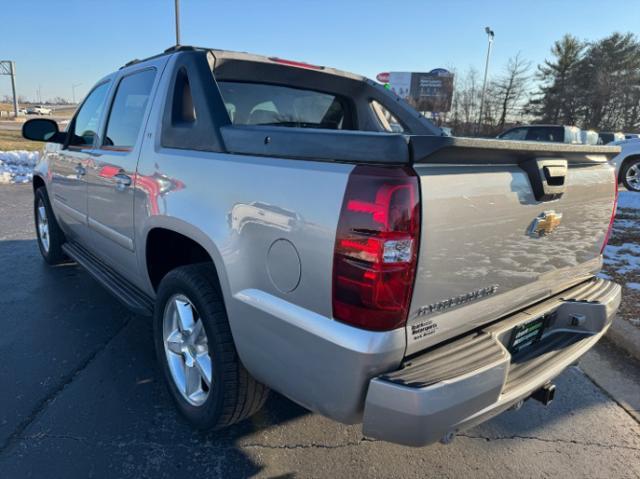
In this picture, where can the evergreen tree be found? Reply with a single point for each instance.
(557, 98)
(609, 83)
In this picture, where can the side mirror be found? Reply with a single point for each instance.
(42, 129)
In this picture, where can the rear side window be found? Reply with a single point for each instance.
(273, 105)
(127, 110)
(85, 124)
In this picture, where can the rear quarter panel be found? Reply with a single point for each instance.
(214, 196)
(269, 225)
(242, 209)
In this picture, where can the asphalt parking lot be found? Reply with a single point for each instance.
(81, 396)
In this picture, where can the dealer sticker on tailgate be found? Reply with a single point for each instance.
(524, 335)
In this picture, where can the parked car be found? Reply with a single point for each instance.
(414, 282)
(628, 164)
(631, 136)
(590, 137)
(38, 110)
(447, 131)
(609, 136)
(548, 133)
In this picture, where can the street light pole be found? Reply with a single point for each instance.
(177, 4)
(73, 91)
(13, 89)
(8, 67)
(490, 35)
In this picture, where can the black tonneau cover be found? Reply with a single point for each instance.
(385, 148)
(448, 149)
(317, 144)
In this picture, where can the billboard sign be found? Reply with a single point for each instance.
(431, 91)
(383, 77)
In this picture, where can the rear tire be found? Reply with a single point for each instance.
(232, 394)
(630, 174)
(50, 236)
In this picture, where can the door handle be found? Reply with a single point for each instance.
(80, 170)
(122, 181)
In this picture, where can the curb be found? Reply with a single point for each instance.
(625, 336)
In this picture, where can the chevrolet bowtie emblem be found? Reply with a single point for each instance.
(545, 224)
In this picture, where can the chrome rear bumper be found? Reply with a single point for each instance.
(470, 380)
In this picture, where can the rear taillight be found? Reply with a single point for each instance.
(376, 248)
(613, 213)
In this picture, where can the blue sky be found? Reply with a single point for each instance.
(57, 43)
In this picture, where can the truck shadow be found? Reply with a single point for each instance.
(84, 369)
(89, 396)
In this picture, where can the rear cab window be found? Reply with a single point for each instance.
(387, 121)
(276, 105)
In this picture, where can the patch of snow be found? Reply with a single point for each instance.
(17, 166)
(624, 258)
(621, 227)
(634, 286)
(629, 199)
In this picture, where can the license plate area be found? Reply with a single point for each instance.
(527, 334)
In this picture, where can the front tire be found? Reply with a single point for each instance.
(50, 236)
(631, 175)
(196, 353)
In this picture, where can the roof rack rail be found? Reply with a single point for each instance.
(132, 62)
(173, 49)
(179, 48)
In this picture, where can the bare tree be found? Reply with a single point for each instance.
(510, 89)
(504, 99)
(59, 101)
(466, 102)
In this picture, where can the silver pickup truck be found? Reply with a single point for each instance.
(294, 227)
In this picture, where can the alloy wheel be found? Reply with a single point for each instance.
(42, 224)
(187, 350)
(633, 176)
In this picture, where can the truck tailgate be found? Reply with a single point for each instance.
(495, 237)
